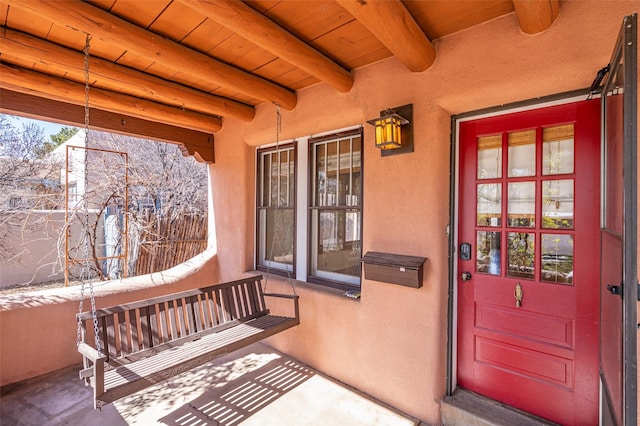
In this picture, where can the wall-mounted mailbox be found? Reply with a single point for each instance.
(394, 268)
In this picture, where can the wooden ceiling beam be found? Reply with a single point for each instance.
(536, 16)
(261, 31)
(196, 143)
(391, 23)
(109, 28)
(115, 77)
(32, 82)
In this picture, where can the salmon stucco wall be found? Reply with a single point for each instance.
(391, 343)
(38, 330)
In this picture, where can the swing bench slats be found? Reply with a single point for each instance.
(149, 341)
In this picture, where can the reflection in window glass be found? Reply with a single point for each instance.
(521, 254)
(557, 150)
(338, 244)
(522, 153)
(490, 157)
(557, 258)
(521, 206)
(336, 218)
(488, 252)
(276, 205)
(557, 204)
(489, 207)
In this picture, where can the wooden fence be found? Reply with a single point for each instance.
(164, 242)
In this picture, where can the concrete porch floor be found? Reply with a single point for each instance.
(253, 386)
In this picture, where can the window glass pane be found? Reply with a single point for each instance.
(356, 178)
(488, 252)
(279, 236)
(490, 157)
(291, 178)
(557, 258)
(344, 178)
(557, 150)
(557, 204)
(522, 153)
(336, 220)
(338, 242)
(521, 254)
(273, 179)
(265, 197)
(521, 206)
(332, 174)
(489, 211)
(320, 175)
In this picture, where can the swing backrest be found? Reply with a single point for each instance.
(135, 330)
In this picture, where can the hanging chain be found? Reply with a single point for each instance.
(84, 274)
(278, 231)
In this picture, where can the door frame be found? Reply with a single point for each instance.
(456, 120)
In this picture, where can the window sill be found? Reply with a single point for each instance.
(320, 287)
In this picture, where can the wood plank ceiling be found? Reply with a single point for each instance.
(174, 69)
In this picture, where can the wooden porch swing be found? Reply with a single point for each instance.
(142, 343)
(149, 341)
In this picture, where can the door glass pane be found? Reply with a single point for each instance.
(557, 150)
(490, 157)
(489, 204)
(521, 205)
(488, 252)
(522, 153)
(521, 252)
(557, 204)
(557, 258)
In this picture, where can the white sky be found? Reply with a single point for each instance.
(49, 128)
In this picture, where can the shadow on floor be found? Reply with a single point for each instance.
(240, 399)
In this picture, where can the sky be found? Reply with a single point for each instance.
(49, 128)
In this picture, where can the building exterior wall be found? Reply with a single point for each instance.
(392, 343)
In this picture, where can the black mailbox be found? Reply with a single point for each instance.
(394, 268)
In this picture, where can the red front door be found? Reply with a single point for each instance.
(529, 260)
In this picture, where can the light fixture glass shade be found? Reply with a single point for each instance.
(388, 130)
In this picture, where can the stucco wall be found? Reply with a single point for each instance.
(38, 330)
(392, 343)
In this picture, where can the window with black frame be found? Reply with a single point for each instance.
(336, 209)
(276, 208)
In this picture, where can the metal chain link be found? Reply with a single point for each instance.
(84, 275)
(277, 236)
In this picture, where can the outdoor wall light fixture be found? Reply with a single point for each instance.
(394, 130)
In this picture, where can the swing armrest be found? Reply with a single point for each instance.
(293, 297)
(286, 296)
(93, 355)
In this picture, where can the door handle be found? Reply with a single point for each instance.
(465, 276)
(518, 293)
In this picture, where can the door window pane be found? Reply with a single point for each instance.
(490, 157)
(557, 258)
(488, 252)
(557, 150)
(521, 207)
(489, 207)
(522, 153)
(557, 204)
(521, 254)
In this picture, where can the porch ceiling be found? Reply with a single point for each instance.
(191, 63)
